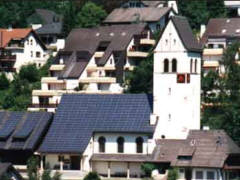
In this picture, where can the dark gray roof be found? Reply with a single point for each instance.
(129, 15)
(22, 130)
(80, 115)
(185, 32)
(52, 22)
(222, 28)
(205, 149)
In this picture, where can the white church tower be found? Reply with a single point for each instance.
(177, 74)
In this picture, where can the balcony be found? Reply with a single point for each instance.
(96, 68)
(57, 67)
(52, 80)
(213, 52)
(98, 80)
(11, 58)
(210, 64)
(137, 54)
(147, 41)
(98, 54)
(43, 106)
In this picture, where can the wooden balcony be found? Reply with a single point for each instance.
(146, 41)
(98, 80)
(213, 52)
(7, 69)
(57, 67)
(137, 54)
(11, 58)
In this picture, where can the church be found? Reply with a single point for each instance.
(115, 134)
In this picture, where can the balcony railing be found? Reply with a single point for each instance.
(98, 80)
(43, 106)
(137, 54)
(8, 58)
(8, 69)
(213, 52)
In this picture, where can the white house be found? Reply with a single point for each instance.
(20, 47)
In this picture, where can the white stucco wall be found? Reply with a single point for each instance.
(111, 142)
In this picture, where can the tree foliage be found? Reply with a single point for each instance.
(147, 168)
(92, 176)
(4, 82)
(173, 174)
(90, 15)
(223, 111)
(199, 12)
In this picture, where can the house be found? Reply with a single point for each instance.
(49, 27)
(204, 154)
(156, 4)
(20, 47)
(20, 134)
(94, 60)
(156, 18)
(8, 171)
(219, 34)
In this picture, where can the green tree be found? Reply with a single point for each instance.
(224, 112)
(216, 8)
(32, 168)
(147, 168)
(4, 82)
(29, 73)
(92, 176)
(141, 79)
(90, 15)
(173, 174)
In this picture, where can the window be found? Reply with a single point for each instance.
(31, 53)
(199, 174)
(210, 175)
(120, 143)
(174, 42)
(38, 54)
(174, 65)
(166, 42)
(166, 65)
(181, 174)
(139, 143)
(191, 64)
(101, 143)
(31, 42)
(195, 67)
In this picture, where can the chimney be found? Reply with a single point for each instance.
(203, 29)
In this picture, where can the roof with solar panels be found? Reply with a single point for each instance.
(22, 130)
(79, 116)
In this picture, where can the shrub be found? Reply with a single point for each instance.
(147, 168)
(173, 174)
(4, 82)
(92, 176)
(29, 73)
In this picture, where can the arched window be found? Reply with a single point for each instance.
(101, 144)
(195, 66)
(139, 144)
(166, 65)
(191, 65)
(31, 42)
(174, 65)
(120, 142)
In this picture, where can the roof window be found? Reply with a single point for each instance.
(123, 33)
(228, 20)
(97, 34)
(224, 31)
(237, 30)
(111, 34)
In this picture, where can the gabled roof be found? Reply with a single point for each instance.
(130, 15)
(185, 33)
(222, 28)
(204, 149)
(6, 35)
(80, 115)
(22, 130)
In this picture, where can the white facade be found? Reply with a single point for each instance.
(176, 105)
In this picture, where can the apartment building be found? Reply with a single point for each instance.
(94, 61)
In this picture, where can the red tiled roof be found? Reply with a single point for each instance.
(6, 35)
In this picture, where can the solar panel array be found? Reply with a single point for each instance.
(22, 130)
(78, 116)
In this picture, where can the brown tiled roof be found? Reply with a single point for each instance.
(6, 35)
(129, 15)
(222, 27)
(204, 148)
(121, 157)
(185, 32)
